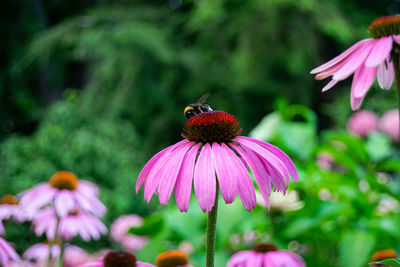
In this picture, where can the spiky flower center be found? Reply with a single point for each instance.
(64, 180)
(119, 259)
(172, 259)
(265, 247)
(9, 199)
(385, 26)
(210, 127)
(384, 254)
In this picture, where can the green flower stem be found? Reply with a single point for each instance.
(395, 59)
(211, 231)
(61, 257)
(52, 242)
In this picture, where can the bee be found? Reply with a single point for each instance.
(198, 107)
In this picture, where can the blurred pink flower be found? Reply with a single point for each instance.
(388, 124)
(117, 258)
(367, 59)
(363, 122)
(120, 228)
(73, 255)
(265, 255)
(213, 152)
(10, 209)
(76, 223)
(325, 160)
(65, 191)
(7, 253)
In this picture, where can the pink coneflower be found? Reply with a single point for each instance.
(73, 255)
(213, 154)
(366, 59)
(388, 124)
(9, 209)
(7, 253)
(75, 223)
(174, 258)
(120, 228)
(65, 191)
(265, 255)
(117, 259)
(363, 122)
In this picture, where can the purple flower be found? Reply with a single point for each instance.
(76, 223)
(120, 228)
(366, 59)
(9, 209)
(213, 154)
(388, 124)
(7, 253)
(117, 259)
(363, 122)
(265, 255)
(66, 192)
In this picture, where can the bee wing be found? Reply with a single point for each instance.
(203, 98)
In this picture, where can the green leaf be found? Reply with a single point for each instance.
(389, 165)
(378, 146)
(355, 248)
(388, 262)
(151, 226)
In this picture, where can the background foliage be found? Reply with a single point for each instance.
(97, 87)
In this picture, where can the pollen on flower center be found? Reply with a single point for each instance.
(385, 26)
(172, 259)
(210, 127)
(265, 247)
(64, 180)
(9, 199)
(119, 259)
(384, 254)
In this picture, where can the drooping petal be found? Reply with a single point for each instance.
(64, 203)
(279, 153)
(170, 173)
(239, 259)
(225, 162)
(385, 74)
(362, 81)
(204, 179)
(154, 178)
(340, 57)
(259, 171)
(357, 59)
(269, 157)
(152, 162)
(379, 52)
(329, 85)
(183, 187)
(396, 38)
(332, 70)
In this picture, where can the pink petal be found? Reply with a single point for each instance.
(332, 70)
(339, 58)
(239, 259)
(379, 52)
(385, 74)
(183, 187)
(204, 179)
(170, 173)
(269, 157)
(152, 162)
(64, 203)
(396, 38)
(225, 162)
(355, 62)
(279, 153)
(260, 173)
(362, 81)
(153, 177)
(329, 85)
